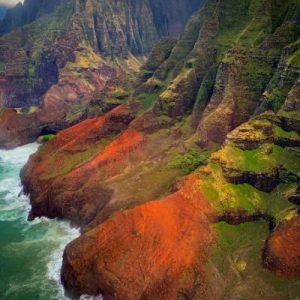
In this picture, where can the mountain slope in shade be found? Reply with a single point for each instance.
(26, 13)
(2, 12)
(200, 160)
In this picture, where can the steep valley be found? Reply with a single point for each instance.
(171, 138)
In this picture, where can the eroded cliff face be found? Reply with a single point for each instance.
(119, 27)
(220, 105)
(82, 52)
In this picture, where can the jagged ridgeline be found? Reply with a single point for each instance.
(32, 55)
(73, 54)
(234, 59)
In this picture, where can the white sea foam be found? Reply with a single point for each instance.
(52, 235)
(88, 297)
(18, 156)
(55, 262)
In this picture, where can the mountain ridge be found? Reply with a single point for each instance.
(54, 67)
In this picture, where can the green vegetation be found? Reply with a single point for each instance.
(294, 59)
(31, 71)
(75, 112)
(206, 88)
(147, 100)
(2, 66)
(274, 97)
(291, 115)
(119, 93)
(62, 163)
(259, 72)
(278, 205)
(189, 161)
(29, 110)
(262, 160)
(226, 196)
(280, 133)
(237, 256)
(2, 111)
(279, 87)
(48, 137)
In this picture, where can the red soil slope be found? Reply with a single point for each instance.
(154, 251)
(282, 251)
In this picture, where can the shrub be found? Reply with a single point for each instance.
(189, 161)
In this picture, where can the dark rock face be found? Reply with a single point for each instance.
(169, 16)
(29, 64)
(139, 25)
(17, 129)
(263, 182)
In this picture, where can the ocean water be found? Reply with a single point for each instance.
(30, 252)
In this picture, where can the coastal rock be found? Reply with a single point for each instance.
(63, 154)
(17, 129)
(158, 250)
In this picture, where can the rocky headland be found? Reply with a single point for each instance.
(183, 174)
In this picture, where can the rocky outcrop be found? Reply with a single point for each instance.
(221, 77)
(17, 129)
(256, 153)
(285, 76)
(281, 253)
(158, 250)
(290, 109)
(136, 28)
(68, 150)
(28, 64)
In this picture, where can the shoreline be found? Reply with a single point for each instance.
(42, 232)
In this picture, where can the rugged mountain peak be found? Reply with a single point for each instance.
(115, 27)
(73, 50)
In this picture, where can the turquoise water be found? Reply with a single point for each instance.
(30, 252)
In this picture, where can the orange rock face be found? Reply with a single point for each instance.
(60, 172)
(282, 251)
(154, 251)
(114, 158)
